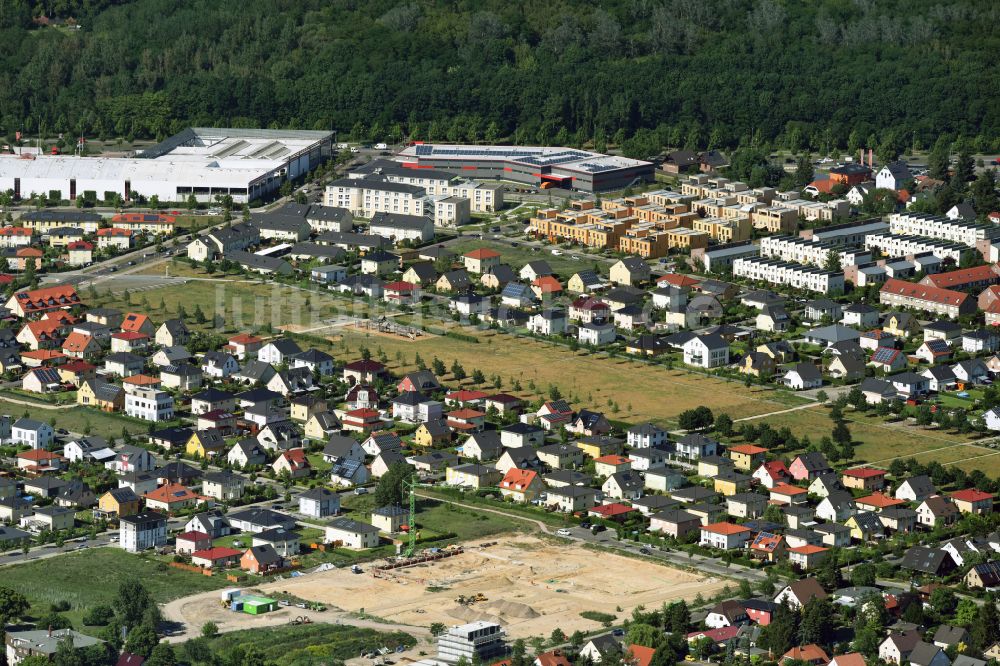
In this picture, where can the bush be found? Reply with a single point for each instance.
(598, 616)
(209, 630)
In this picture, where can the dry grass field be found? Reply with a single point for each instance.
(641, 392)
(878, 442)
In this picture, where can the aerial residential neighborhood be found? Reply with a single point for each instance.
(486, 334)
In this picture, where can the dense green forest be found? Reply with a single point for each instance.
(798, 74)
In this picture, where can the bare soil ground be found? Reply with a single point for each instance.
(532, 586)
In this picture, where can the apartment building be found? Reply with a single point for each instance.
(774, 271)
(720, 258)
(731, 230)
(645, 240)
(939, 227)
(667, 198)
(791, 248)
(686, 239)
(713, 207)
(483, 197)
(851, 234)
(821, 211)
(895, 245)
(590, 227)
(775, 219)
(451, 210)
(941, 302)
(374, 194)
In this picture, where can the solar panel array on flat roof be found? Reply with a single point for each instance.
(232, 149)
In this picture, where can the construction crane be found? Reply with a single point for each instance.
(409, 486)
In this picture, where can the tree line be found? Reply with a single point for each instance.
(827, 75)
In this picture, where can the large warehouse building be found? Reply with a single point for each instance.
(567, 168)
(243, 163)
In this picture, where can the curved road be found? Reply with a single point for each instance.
(174, 612)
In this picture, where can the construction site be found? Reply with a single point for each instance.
(529, 584)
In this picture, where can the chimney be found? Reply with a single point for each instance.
(861, 156)
(871, 158)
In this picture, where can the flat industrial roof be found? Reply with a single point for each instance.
(540, 156)
(224, 157)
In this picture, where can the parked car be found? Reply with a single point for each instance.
(563, 532)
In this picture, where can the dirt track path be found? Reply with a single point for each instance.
(547, 529)
(189, 612)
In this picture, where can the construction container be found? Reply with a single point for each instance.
(254, 605)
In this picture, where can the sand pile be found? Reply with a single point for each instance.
(510, 609)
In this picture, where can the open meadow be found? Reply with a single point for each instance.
(878, 442)
(91, 577)
(639, 391)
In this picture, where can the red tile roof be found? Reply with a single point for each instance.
(171, 494)
(78, 366)
(129, 335)
(811, 652)
(193, 535)
(613, 459)
(217, 553)
(465, 395)
(47, 298)
(466, 414)
(962, 277)
(38, 454)
(114, 231)
(641, 655)
(879, 500)
(482, 253)
(788, 489)
(547, 284)
(725, 528)
(971, 495)
(677, 280)
(864, 472)
(807, 549)
(134, 321)
(748, 449)
(610, 510)
(924, 292)
(518, 479)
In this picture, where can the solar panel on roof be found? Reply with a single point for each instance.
(884, 355)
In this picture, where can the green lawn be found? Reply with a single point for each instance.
(564, 265)
(307, 645)
(76, 419)
(91, 577)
